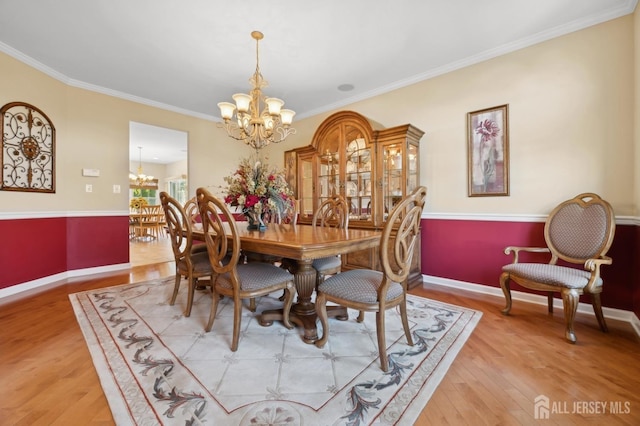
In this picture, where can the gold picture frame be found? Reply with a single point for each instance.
(488, 152)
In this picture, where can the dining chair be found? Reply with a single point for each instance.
(368, 290)
(233, 279)
(189, 264)
(151, 222)
(289, 216)
(578, 231)
(332, 212)
(193, 216)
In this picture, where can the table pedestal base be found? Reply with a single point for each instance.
(303, 311)
(305, 317)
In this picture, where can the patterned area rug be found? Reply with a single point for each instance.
(158, 367)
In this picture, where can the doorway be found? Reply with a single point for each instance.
(160, 155)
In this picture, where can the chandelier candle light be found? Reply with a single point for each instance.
(140, 179)
(259, 121)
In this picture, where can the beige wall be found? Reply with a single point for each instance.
(571, 122)
(571, 129)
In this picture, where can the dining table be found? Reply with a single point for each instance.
(299, 245)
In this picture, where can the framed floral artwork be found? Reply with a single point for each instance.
(488, 151)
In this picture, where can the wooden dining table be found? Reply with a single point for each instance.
(300, 245)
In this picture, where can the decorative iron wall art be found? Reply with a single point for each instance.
(28, 149)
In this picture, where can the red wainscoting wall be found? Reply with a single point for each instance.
(470, 251)
(473, 252)
(43, 247)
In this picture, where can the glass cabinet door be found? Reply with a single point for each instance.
(392, 177)
(358, 184)
(329, 167)
(306, 192)
(412, 169)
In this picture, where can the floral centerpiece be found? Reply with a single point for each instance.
(137, 203)
(259, 192)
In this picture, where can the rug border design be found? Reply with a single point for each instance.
(131, 404)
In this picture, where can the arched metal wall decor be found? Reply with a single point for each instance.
(28, 149)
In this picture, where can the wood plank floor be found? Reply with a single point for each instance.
(47, 376)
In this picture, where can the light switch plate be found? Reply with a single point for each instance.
(91, 172)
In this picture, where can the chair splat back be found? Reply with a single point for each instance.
(179, 231)
(581, 228)
(191, 210)
(224, 252)
(332, 212)
(401, 231)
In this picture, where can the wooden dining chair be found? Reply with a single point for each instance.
(151, 222)
(332, 212)
(370, 290)
(233, 279)
(189, 264)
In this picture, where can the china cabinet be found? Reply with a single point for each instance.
(371, 166)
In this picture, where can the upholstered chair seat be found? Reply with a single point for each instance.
(326, 263)
(255, 276)
(560, 276)
(359, 285)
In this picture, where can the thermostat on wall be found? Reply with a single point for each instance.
(91, 172)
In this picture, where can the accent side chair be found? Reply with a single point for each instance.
(579, 231)
(369, 290)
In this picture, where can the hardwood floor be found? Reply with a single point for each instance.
(48, 378)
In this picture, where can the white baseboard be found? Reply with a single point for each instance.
(13, 292)
(21, 290)
(584, 308)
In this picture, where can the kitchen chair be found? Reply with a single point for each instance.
(151, 222)
(191, 265)
(370, 290)
(578, 231)
(233, 279)
(332, 212)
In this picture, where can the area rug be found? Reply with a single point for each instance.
(157, 366)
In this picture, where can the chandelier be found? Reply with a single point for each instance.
(258, 120)
(140, 179)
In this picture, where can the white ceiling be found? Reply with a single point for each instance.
(187, 56)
